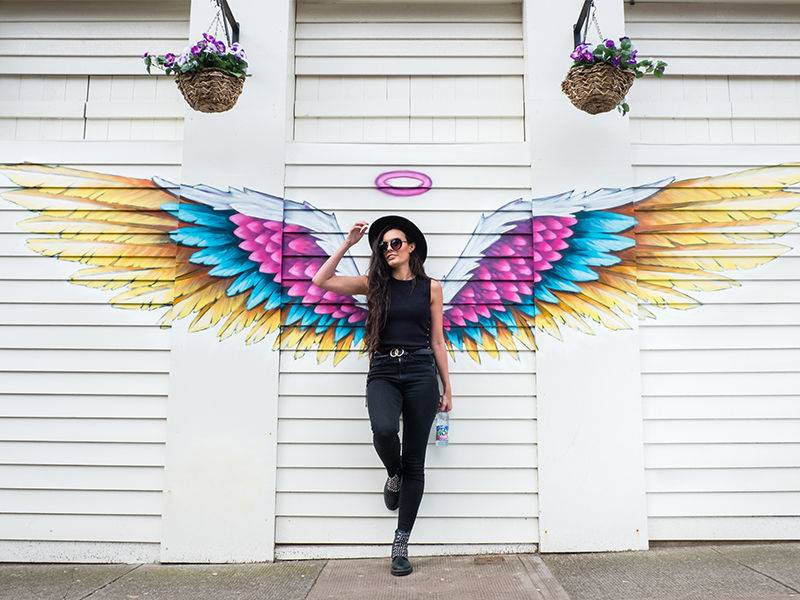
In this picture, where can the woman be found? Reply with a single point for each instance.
(404, 338)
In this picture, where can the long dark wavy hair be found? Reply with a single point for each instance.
(379, 273)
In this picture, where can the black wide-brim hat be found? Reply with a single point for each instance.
(413, 233)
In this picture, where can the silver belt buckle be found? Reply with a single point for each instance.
(397, 352)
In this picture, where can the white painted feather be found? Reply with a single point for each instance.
(486, 233)
(569, 203)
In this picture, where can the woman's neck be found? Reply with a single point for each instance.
(404, 276)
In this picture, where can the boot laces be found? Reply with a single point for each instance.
(400, 544)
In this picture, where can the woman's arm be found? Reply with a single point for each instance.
(345, 285)
(438, 345)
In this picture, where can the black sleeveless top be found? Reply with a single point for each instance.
(408, 324)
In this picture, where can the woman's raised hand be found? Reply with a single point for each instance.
(356, 232)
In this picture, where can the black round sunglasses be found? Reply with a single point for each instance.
(395, 243)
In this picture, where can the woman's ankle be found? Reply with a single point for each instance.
(400, 543)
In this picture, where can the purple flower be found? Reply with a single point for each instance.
(220, 46)
(196, 50)
(237, 50)
(201, 44)
(615, 61)
(633, 54)
(169, 59)
(582, 53)
(609, 43)
(209, 38)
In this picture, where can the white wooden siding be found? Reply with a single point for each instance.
(411, 74)
(721, 382)
(362, 110)
(734, 38)
(74, 107)
(91, 37)
(433, 87)
(83, 386)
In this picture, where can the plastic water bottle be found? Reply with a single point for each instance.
(442, 428)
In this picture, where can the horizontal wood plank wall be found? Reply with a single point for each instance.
(397, 74)
(721, 382)
(480, 492)
(83, 386)
(88, 37)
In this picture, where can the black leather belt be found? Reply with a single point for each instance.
(399, 351)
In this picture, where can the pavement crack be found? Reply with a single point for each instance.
(316, 577)
(767, 575)
(71, 583)
(106, 584)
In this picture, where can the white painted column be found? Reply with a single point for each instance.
(222, 414)
(591, 466)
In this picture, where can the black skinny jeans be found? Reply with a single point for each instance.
(404, 385)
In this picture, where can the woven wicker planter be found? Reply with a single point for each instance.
(597, 88)
(210, 90)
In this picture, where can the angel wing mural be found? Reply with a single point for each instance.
(241, 261)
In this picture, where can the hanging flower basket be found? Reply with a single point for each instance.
(209, 74)
(597, 88)
(210, 90)
(599, 79)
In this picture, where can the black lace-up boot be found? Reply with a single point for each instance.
(391, 491)
(400, 563)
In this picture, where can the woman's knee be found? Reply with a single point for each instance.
(413, 466)
(384, 433)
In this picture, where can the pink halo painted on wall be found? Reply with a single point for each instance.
(383, 183)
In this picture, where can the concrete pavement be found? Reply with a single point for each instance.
(742, 571)
(763, 571)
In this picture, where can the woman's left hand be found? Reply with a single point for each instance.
(445, 401)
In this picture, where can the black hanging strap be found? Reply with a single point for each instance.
(228, 19)
(582, 23)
